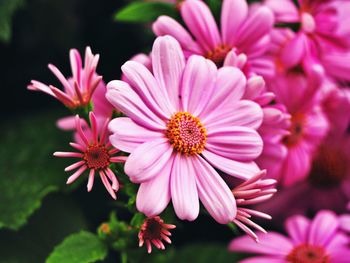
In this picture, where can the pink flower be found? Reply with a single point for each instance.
(244, 32)
(317, 240)
(96, 154)
(78, 89)
(183, 119)
(253, 191)
(154, 231)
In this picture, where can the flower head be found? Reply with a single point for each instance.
(309, 241)
(154, 231)
(95, 154)
(78, 89)
(183, 120)
(245, 35)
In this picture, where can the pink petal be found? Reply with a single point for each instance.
(198, 84)
(233, 13)
(148, 160)
(201, 23)
(237, 143)
(271, 243)
(294, 51)
(183, 188)
(241, 170)
(285, 10)
(76, 65)
(127, 135)
(213, 192)
(150, 200)
(337, 242)
(146, 86)
(66, 123)
(168, 63)
(122, 96)
(323, 228)
(298, 228)
(341, 255)
(263, 260)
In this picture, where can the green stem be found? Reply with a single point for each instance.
(124, 257)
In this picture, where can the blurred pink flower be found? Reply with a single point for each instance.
(96, 154)
(184, 118)
(318, 240)
(154, 231)
(79, 89)
(244, 32)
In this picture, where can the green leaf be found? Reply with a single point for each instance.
(215, 7)
(28, 171)
(82, 247)
(145, 11)
(7, 9)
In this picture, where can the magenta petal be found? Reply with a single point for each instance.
(122, 96)
(168, 63)
(183, 188)
(271, 243)
(323, 227)
(263, 260)
(127, 135)
(198, 84)
(337, 243)
(150, 200)
(294, 51)
(233, 13)
(148, 160)
(214, 193)
(241, 170)
(237, 143)
(285, 10)
(201, 23)
(298, 227)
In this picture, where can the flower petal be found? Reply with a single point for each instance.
(183, 188)
(323, 228)
(298, 228)
(214, 193)
(128, 135)
(263, 260)
(148, 160)
(168, 63)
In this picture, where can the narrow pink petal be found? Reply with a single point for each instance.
(150, 199)
(81, 133)
(39, 86)
(74, 176)
(107, 185)
(237, 143)
(127, 135)
(76, 65)
(91, 180)
(263, 260)
(183, 188)
(67, 87)
(74, 166)
(323, 228)
(148, 160)
(198, 84)
(113, 178)
(298, 229)
(118, 159)
(233, 14)
(201, 23)
(68, 154)
(272, 243)
(66, 123)
(124, 98)
(168, 63)
(213, 192)
(241, 170)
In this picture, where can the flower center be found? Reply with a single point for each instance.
(96, 157)
(308, 254)
(186, 133)
(296, 131)
(329, 168)
(153, 229)
(218, 55)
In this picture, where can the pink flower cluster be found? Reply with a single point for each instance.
(213, 109)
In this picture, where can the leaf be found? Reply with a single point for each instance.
(145, 11)
(28, 171)
(58, 217)
(82, 247)
(7, 9)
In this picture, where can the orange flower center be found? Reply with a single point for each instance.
(218, 55)
(308, 254)
(96, 157)
(296, 131)
(186, 133)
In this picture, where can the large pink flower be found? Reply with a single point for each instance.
(184, 119)
(243, 31)
(318, 240)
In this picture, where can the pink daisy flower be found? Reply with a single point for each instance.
(243, 31)
(95, 154)
(309, 241)
(154, 231)
(78, 89)
(184, 119)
